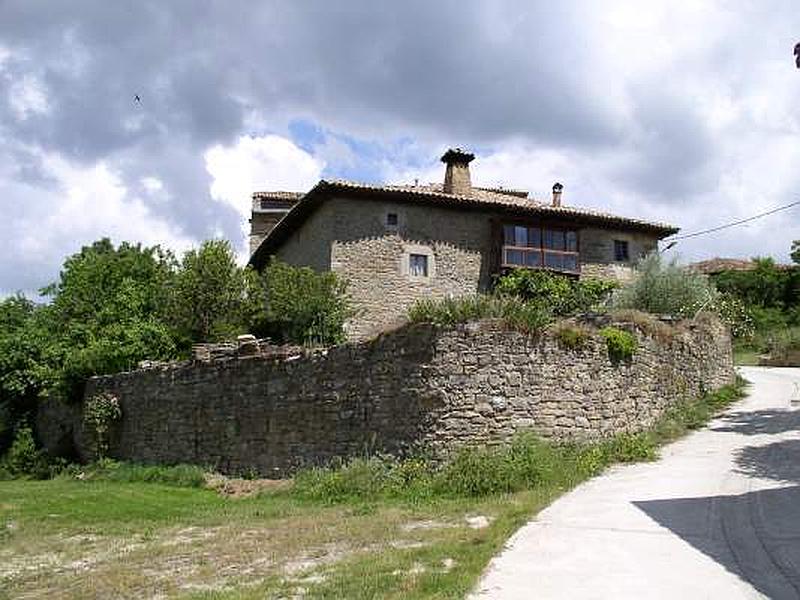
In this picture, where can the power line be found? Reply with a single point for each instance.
(734, 223)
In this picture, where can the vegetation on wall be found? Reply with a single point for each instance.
(525, 299)
(516, 313)
(556, 294)
(665, 288)
(114, 306)
(621, 344)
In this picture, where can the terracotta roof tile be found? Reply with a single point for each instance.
(492, 197)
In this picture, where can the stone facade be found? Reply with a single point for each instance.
(418, 387)
(352, 238)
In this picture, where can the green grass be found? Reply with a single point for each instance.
(517, 314)
(370, 528)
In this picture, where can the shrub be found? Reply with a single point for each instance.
(24, 459)
(357, 478)
(558, 294)
(304, 306)
(665, 288)
(517, 314)
(99, 414)
(571, 335)
(621, 344)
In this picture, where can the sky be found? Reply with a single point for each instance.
(684, 112)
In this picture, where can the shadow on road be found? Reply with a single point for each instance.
(779, 461)
(754, 535)
(757, 422)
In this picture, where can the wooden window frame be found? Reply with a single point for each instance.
(541, 249)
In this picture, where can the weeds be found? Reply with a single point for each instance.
(123, 472)
(517, 314)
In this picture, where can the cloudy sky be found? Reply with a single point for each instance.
(686, 112)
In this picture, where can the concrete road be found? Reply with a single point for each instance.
(718, 516)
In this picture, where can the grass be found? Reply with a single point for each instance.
(369, 528)
(517, 314)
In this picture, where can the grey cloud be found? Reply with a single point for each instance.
(476, 74)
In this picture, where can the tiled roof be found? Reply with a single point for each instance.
(508, 201)
(278, 195)
(496, 197)
(718, 265)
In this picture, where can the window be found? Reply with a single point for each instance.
(621, 251)
(418, 265)
(391, 219)
(537, 247)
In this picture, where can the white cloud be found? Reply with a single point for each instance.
(27, 96)
(83, 205)
(269, 162)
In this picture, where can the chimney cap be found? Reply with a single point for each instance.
(457, 156)
(557, 187)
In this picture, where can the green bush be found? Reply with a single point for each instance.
(304, 306)
(24, 459)
(665, 288)
(517, 314)
(557, 294)
(622, 345)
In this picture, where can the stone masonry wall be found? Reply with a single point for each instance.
(418, 387)
(351, 237)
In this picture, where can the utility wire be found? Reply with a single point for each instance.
(733, 224)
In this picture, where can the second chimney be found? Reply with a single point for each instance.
(456, 176)
(557, 187)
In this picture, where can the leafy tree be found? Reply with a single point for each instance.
(21, 373)
(795, 253)
(304, 306)
(213, 297)
(107, 312)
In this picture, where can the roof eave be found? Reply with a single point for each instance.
(308, 203)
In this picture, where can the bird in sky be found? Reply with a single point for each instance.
(797, 55)
(136, 97)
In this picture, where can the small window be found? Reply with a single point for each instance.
(418, 265)
(391, 219)
(621, 251)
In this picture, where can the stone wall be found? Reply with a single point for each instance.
(597, 252)
(418, 387)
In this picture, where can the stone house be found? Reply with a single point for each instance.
(397, 243)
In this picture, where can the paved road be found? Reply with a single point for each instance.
(717, 517)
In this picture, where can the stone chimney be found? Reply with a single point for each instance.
(557, 187)
(456, 176)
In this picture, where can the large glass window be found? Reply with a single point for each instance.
(538, 247)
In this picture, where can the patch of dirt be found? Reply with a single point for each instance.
(231, 487)
(427, 524)
(478, 521)
(325, 555)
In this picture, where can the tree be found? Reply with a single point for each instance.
(795, 254)
(304, 306)
(108, 312)
(21, 373)
(213, 298)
